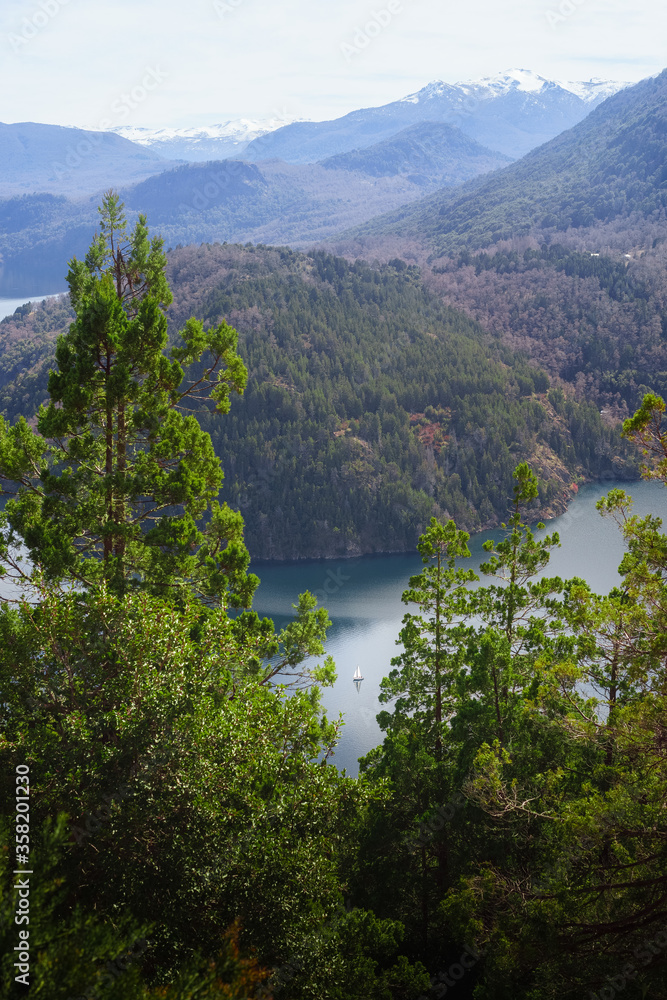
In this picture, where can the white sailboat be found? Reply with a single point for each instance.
(357, 674)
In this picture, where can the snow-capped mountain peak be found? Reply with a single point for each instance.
(237, 129)
(594, 89)
(199, 143)
(512, 79)
(521, 81)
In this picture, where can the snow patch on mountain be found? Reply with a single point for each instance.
(593, 90)
(236, 130)
(516, 81)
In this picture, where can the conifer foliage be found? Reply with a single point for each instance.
(111, 485)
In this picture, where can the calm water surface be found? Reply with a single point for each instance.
(363, 597)
(9, 306)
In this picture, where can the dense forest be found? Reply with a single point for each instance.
(599, 322)
(173, 826)
(369, 407)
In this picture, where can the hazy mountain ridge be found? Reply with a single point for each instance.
(609, 167)
(72, 161)
(511, 114)
(428, 153)
(267, 202)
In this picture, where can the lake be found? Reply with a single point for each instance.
(363, 597)
(31, 283)
(9, 306)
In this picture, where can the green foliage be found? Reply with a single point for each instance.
(112, 484)
(545, 848)
(334, 436)
(645, 428)
(369, 407)
(431, 661)
(195, 793)
(74, 953)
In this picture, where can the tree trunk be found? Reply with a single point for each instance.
(108, 538)
(119, 548)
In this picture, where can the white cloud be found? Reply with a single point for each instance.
(228, 58)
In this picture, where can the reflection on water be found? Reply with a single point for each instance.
(366, 607)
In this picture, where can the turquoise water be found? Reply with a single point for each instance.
(363, 597)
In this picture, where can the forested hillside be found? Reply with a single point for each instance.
(428, 153)
(370, 406)
(608, 172)
(562, 254)
(598, 322)
(172, 825)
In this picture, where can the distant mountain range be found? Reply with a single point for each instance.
(510, 113)
(71, 161)
(272, 202)
(608, 171)
(379, 160)
(202, 143)
(563, 254)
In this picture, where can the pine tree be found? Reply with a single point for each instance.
(434, 640)
(112, 485)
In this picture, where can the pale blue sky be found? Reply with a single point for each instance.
(77, 62)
